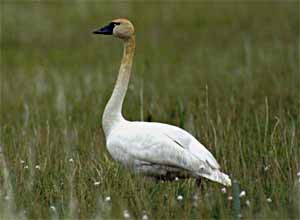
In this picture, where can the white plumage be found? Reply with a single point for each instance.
(154, 149)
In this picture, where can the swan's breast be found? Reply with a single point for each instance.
(118, 145)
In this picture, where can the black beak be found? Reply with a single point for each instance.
(106, 30)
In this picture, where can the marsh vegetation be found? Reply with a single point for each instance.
(226, 72)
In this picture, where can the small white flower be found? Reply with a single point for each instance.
(37, 167)
(248, 203)
(266, 168)
(53, 208)
(223, 190)
(71, 160)
(26, 167)
(176, 178)
(97, 183)
(107, 199)
(22, 161)
(126, 214)
(145, 217)
(240, 215)
(6, 197)
(229, 198)
(269, 200)
(180, 197)
(298, 174)
(242, 194)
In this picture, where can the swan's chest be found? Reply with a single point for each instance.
(120, 144)
(126, 142)
(118, 151)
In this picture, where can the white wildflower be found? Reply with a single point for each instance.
(22, 161)
(37, 167)
(269, 200)
(53, 208)
(223, 190)
(180, 197)
(176, 178)
(242, 194)
(229, 198)
(26, 167)
(71, 160)
(107, 199)
(298, 174)
(145, 217)
(97, 183)
(126, 214)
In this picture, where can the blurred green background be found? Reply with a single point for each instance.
(227, 71)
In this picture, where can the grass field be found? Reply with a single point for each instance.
(227, 72)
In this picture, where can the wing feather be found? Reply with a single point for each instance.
(188, 142)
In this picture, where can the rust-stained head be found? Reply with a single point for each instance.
(120, 27)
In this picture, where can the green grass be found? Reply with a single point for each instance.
(227, 72)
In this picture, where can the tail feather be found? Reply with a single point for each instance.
(217, 176)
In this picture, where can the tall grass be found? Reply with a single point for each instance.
(226, 71)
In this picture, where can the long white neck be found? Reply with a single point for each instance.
(113, 109)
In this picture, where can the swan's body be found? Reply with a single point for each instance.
(153, 149)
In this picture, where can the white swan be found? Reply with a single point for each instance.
(154, 149)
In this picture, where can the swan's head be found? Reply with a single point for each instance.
(121, 28)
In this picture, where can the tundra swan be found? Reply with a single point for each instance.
(154, 149)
